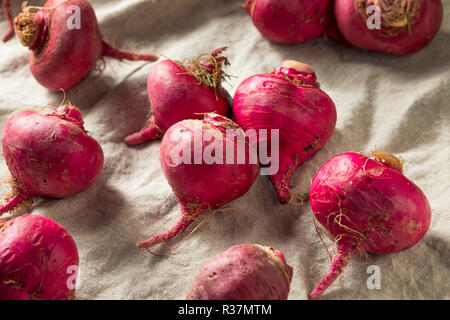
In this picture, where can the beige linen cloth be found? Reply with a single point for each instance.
(399, 104)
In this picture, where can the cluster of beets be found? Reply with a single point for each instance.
(364, 201)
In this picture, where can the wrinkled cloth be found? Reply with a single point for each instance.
(398, 104)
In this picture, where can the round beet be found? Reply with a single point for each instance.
(62, 56)
(244, 272)
(405, 25)
(179, 91)
(38, 260)
(49, 155)
(368, 206)
(288, 99)
(199, 151)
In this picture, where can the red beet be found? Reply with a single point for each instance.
(368, 206)
(62, 57)
(179, 91)
(195, 160)
(38, 260)
(289, 100)
(406, 25)
(49, 156)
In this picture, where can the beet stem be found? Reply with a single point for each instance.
(7, 10)
(110, 51)
(12, 203)
(182, 223)
(340, 261)
(151, 132)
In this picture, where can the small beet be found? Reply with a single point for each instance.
(244, 272)
(202, 184)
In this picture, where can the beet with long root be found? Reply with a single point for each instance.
(368, 206)
(38, 260)
(200, 159)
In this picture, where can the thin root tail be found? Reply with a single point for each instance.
(113, 52)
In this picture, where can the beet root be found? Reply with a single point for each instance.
(38, 260)
(244, 272)
(179, 91)
(197, 150)
(368, 206)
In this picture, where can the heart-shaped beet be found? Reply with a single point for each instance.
(288, 99)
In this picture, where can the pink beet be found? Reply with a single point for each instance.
(199, 181)
(179, 91)
(49, 155)
(62, 57)
(288, 99)
(38, 260)
(244, 272)
(406, 25)
(289, 21)
(368, 206)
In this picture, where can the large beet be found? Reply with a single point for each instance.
(61, 57)
(289, 100)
